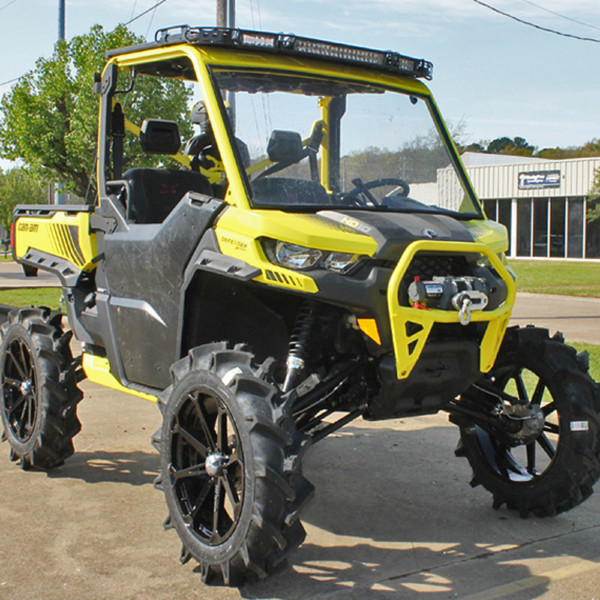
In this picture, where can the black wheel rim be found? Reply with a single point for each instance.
(207, 467)
(19, 391)
(525, 462)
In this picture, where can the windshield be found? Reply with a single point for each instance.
(315, 143)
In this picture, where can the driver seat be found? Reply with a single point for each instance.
(154, 193)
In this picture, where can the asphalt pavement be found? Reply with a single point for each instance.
(393, 518)
(12, 276)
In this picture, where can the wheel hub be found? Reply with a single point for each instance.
(25, 387)
(530, 420)
(215, 464)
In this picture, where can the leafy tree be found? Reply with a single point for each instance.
(505, 145)
(18, 186)
(49, 118)
(473, 147)
(520, 147)
(558, 153)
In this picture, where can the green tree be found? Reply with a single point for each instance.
(517, 146)
(49, 118)
(18, 186)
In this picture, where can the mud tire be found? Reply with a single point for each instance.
(562, 464)
(230, 466)
(38, 387)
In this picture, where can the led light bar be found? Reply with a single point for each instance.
(290, 44)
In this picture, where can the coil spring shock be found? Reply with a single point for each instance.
(299, 344)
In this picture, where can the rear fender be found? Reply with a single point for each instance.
(56, 239)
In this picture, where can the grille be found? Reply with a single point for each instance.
(427, 266)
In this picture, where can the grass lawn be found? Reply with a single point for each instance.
(49, 296)
(566, 278)
(594, 352)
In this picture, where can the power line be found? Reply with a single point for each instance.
(145, 12)
(530, 24)
(10, 81)
(552, 12)
(7, 4)
(150, 23)
(133, 9)
(155, 6)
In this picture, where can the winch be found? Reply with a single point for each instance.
(464, 294)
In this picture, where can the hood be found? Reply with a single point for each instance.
(394, 231)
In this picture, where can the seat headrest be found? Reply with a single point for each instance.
(160, 137)
(285, 147)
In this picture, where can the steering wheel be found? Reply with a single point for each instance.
(361, 195)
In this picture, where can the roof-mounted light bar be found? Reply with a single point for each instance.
(295, 45)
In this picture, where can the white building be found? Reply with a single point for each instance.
(543, 203)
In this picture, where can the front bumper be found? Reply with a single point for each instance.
(412, 326)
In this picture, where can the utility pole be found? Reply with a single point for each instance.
(226, 18)
(221, 13)
(59, 197)
(61, 19)
(231, 13)
(226, 13)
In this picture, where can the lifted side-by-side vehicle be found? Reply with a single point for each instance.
(314, 254)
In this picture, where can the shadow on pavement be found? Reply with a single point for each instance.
(394, 517)
(135, 468)
(338, 573)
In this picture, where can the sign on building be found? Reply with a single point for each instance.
(539, 180)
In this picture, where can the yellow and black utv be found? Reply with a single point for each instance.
(315, 254)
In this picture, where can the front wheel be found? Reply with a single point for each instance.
(230, 466)
(543, 453)
(38, 386)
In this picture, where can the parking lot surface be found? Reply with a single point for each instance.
(393, 517)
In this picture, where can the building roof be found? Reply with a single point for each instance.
(477, 159)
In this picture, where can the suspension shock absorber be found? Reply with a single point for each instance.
(299, 344)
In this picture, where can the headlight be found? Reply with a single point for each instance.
(296, 257)
(301, 258)
(340, 262)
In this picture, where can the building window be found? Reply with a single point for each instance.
(540, 227)
(557, 227)
(505, 217)
(490, 209)
(524, 227)
(575, 235)
(592, 238)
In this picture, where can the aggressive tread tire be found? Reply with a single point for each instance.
(39, 393)
(230, 466)
(560, 466)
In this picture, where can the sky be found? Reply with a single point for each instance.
(493, 76)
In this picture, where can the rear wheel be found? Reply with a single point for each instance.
(230, 466)
(543, 455)
(39, 392)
